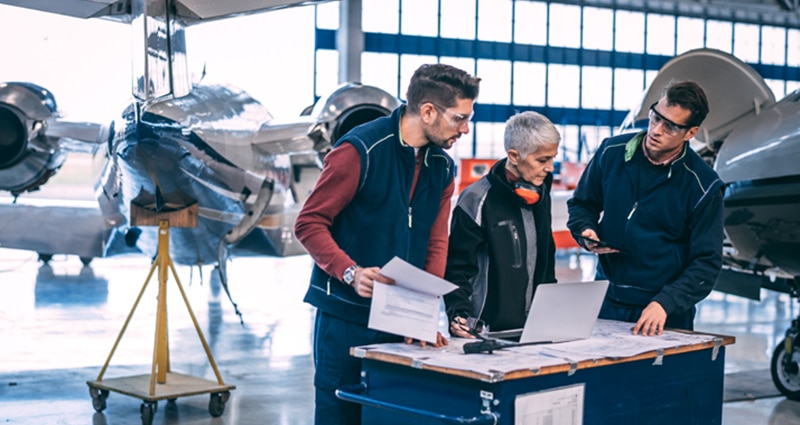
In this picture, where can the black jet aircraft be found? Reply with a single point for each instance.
(753, 142)
(177, 145)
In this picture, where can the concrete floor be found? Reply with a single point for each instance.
(59, 322)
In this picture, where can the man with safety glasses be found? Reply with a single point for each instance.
(384, 191)
(652, 197)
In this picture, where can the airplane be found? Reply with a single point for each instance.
(207, 149)
(753, 142)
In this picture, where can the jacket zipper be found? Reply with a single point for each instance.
(630, 214)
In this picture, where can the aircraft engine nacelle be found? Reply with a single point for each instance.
(28, 158)
(350, 105)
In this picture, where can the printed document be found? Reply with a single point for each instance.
(409, 308)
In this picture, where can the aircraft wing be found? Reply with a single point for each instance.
(46, 228)
(190, 11)
(734, 89)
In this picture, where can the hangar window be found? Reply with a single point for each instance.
(719, 35)
(793, 48)
(691, 34)
(791, 86)
(380, 70)
(529, 83)
(496, 83)
(328, 15)
(746, 42)
(491, 143)
(629, 30)
(596, 28)
(570, 141)
(773, 45)
(595, 93)
(565, 25)
(417, 17)
(778, 87)
(375, 19)
(649, 77)
(495, 20)
(328, 79)
(591, 136)
(530, 22)
(628, 87)
(564, 82)
(660, 35)
(458, 19)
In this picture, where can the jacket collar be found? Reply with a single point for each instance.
(633, 144)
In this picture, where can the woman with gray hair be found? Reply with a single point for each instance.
(501, 241)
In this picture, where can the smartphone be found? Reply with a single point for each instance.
(600, 244)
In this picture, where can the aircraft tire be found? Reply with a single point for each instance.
(786, 379)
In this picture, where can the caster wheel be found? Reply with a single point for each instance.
(86, 260)
(216, 405)
(786, 375)
(98, 399)
(148, 411)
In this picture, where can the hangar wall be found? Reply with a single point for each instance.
(583, 64)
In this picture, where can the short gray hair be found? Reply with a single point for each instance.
(529, 131)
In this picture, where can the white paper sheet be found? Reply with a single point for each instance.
(410, 307)
(559, 406)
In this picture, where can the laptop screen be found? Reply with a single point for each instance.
(560, 312)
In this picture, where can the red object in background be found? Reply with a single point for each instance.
(471, 170)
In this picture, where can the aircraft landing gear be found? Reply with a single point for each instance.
(786, 369)
(785, 365)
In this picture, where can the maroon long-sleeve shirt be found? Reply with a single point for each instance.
(334, 190)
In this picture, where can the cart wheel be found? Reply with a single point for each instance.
(786, 377)
(98, 398)
(216, 405)
(148, 411)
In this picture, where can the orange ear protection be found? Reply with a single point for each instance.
(527, 192)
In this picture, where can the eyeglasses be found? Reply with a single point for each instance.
(456, 120)
(670, 127)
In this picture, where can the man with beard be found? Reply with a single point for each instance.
(384, 191)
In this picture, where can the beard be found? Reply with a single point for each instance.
(437, 138)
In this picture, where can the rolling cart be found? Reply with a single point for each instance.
(161, 383)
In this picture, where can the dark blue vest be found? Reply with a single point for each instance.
(380, 223)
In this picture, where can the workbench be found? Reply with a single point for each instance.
(613, 377)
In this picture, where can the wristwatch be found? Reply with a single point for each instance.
(349, 275)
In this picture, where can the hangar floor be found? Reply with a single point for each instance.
(58, 324)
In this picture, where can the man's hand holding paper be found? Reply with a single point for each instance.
(365, 279)
(410, 307)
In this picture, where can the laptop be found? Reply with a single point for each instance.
(560, 312)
